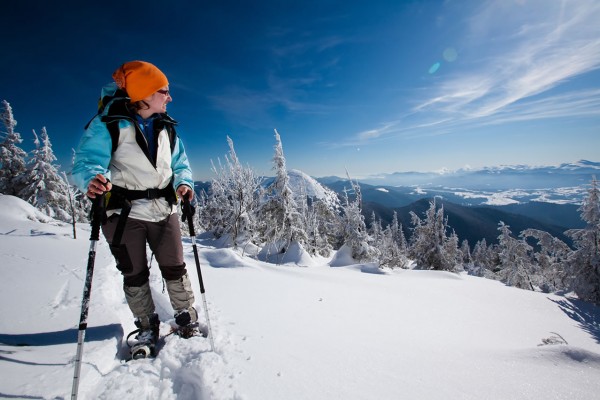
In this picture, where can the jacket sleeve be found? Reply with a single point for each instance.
(180, 165)
(93, 154)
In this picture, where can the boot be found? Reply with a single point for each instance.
(146, 338)
(149, 327)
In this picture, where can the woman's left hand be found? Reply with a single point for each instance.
(185, 192)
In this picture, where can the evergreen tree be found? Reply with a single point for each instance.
(430, 246)
(12, 157)
(321, 221)
(231, 209)
(465, 251)
(452, 252)
(45, 188)
(514, 259)
(316, 243)
(584, 261)
(72, 207)
(353, 227)
(388, 243)
(482, 260)
(390, 252)
(213, 213)
(376, 229)
(398, 235)
(81, 204)
(551, 259)
(281, 220)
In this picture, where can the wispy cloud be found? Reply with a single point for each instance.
(527, 51)
(556, 41)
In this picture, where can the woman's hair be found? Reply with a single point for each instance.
(137, 106)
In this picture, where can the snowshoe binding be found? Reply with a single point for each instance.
(146, 338)
(187, 324)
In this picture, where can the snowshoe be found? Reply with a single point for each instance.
(142, 350)
(188, 331)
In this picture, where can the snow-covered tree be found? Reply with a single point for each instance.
(353, 227)
(584, 261)
(389, 243)
(514, 257)
(452, 251)
(482, 260)
(231, 208)
(280, 219)
(390, 253)
(319, 218)
(12, 157)
(465, 251)
(398, 235)
(45, 188)
(551, 259)
(376, 230)
(81, 204)
(72, 206)
(430, 245)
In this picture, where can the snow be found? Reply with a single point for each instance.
(310, 187)
(291, 331)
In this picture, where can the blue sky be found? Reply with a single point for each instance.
(367, 86)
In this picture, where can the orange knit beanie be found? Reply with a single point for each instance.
(139, 79)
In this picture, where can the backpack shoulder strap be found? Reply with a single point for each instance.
(115, 132)
(172, 136)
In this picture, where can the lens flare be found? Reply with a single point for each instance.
(450, 54)
(433, 69)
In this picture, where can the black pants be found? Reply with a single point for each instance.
(164, 239)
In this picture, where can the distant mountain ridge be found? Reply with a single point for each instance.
(496, 177)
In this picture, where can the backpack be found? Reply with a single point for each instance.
(120, 198)
(112, 94)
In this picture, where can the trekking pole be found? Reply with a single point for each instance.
(96, 214)
(188, 212)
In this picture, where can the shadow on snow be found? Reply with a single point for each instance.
(92, 334)
(586, 314)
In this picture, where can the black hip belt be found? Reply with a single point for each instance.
(120, 197)
(150, 194)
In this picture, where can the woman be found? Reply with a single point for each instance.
(130, 152)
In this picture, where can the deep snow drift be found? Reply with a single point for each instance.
(310, 331)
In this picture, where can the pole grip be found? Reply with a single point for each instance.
(97, 215)
(188, 213)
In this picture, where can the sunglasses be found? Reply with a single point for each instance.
(165, 92)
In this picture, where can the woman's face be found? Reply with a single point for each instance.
(157, 103)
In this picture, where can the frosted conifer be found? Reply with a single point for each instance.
(12, 157)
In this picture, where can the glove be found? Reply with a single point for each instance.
(187, 210)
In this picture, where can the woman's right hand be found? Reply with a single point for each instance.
(98, 185)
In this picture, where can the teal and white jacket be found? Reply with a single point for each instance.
(130, 165)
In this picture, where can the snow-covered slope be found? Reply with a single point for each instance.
(303, 184)
(285, 332)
